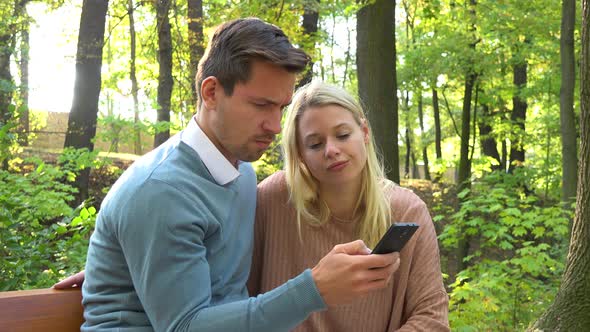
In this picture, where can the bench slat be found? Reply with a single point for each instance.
(41, 310)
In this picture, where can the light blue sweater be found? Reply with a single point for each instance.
(172, 250)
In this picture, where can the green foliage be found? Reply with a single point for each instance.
(118, 130)
(7, 139)
(271, 161)
(73, 160)
(519, 244)
(43, 238)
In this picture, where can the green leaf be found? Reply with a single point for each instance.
(40, 168)
(539, 231)
(61, 230)
(519, 231)
(76, 221)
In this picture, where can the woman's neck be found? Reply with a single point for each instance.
(341, 199)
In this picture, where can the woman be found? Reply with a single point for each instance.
(332, 191)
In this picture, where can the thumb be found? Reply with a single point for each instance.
(357, 247)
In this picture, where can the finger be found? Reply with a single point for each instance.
(396, 264)
(376, 261)
(75, 280)
(383, 273)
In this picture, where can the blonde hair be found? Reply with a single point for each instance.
(373, 205)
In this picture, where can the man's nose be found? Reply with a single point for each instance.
(272, 123)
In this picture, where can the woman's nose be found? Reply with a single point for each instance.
(332, 149)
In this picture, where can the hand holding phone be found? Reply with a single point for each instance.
(395, 238)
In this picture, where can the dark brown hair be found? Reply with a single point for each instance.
(236, 44)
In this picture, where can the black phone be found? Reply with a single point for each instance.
(395, 238)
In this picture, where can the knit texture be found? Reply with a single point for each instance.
(415, 300)
(172, 250)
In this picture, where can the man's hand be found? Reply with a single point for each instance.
(75, 280)
(348, 271)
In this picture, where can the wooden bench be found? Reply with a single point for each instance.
(41, 310)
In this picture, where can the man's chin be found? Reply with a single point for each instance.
(251, 157)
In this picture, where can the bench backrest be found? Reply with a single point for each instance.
(41, 310)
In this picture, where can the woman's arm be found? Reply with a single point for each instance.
(427, 304)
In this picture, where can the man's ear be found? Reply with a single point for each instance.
(209, 90)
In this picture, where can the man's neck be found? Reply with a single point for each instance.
(206, 130)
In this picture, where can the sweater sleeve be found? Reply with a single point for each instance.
(427, 302)
(167, 261)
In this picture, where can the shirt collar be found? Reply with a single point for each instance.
(220, 168)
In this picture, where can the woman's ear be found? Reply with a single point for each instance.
(365, 130)
(209, 92)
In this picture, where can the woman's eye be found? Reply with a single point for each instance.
(315, 146)
(343, 136)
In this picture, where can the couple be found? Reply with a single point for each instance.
(173, 250)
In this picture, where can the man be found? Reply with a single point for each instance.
(173, 240)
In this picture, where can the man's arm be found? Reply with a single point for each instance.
(167, 262)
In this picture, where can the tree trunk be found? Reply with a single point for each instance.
(133, 78)
(518, 117)
(474, 122)
(408, 154)
(377, 84)
(437, 131)
(24, 79)
(114, 127)
(504, 155)
(464, 176)
(465, 162)
(6, 82)
(165, 81)
(415, 172)
(569, 153)
(310, 28)
(569, 311)
(489, 146)
(408, 132)
(332, 44)
(82, 119)
(347, 56)
(7, 47)
(424, 146)
(195, 42)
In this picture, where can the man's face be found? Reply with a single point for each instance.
(243, 125)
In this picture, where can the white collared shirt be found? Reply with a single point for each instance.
(220, 168)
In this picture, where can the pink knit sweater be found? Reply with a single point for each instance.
(416, 299)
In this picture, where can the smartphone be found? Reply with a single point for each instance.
(395, 238)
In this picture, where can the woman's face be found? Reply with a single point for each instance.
(332, 145)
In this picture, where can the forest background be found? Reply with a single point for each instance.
(481, 107)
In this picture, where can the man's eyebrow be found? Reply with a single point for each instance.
(270, 101)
